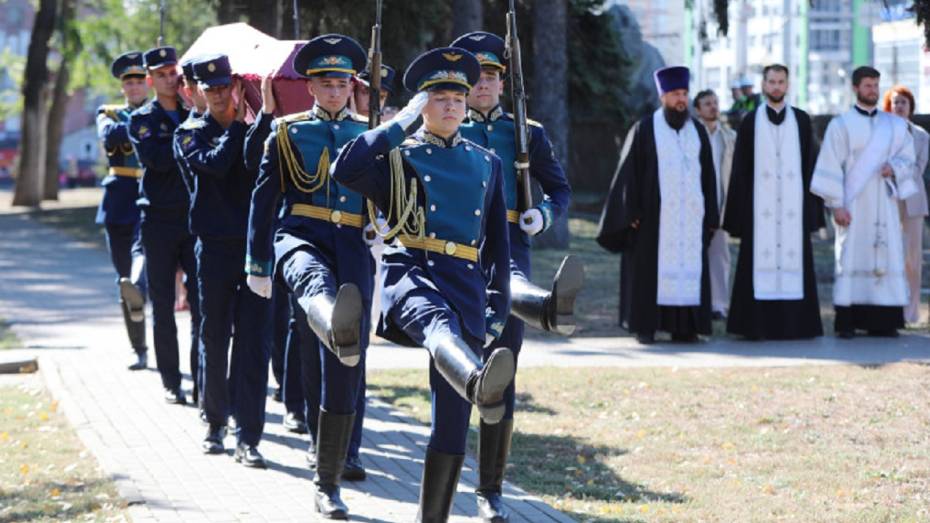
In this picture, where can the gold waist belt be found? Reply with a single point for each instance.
(457, 250)
(131, 172)
(327, 215)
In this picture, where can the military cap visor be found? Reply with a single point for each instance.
(488, 48)
(387, 78)
(330, 55)
(213, 71)
(127, 65)
(443, 68)
(160, 57)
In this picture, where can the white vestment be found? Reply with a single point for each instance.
(778, 209)
(681, 215)
(869, 253)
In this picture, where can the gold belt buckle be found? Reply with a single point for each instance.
(335, 216)
(450, 248)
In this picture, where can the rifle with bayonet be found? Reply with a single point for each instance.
(518, 94)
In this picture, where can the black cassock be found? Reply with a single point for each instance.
(634, 195)
(770, 319)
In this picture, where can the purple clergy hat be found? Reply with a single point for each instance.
(672, 78)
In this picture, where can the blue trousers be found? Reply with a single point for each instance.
(167, 245)
(307, 274)
(285, 352)
(124, 243)
(228, 306)
(425, 316)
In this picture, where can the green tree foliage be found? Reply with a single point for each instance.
(106, 29)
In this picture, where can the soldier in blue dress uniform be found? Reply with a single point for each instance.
(164, 201)
(212, 147)
(317, 248)
(488, 125)
(118, 211)
(285, 347)
(446, 278)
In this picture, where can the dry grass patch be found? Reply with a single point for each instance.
(45, 473)
(809, 444)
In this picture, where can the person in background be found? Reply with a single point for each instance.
(900, 101)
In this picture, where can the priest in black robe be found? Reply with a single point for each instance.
(665, 283)
(771, 210)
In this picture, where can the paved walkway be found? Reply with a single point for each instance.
(60, 298)
(57, 293)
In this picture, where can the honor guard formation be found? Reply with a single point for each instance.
(296, 236)
(284, 229)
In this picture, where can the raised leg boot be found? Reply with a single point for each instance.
(493, 449)
(553, 310)
(337, 321)
(437, 489)
(482, 384)
(332, 443)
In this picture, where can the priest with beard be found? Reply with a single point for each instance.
(771, 210)
(660, 213)
(865, 168)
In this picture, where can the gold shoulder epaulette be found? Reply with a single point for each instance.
(295, 117)
(533, 122)
(110, 110)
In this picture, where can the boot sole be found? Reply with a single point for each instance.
(495, 378)
(133, 298)
(346, 325)
(565, 288)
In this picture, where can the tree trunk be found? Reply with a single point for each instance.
(31, 172)
(55, 129)
(467, 16)
(549, 100)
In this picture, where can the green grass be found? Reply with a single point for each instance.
(45, 473)
(808, 444)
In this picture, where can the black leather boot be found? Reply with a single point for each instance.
(553, 310)
(493, 449)
(332, 443)
(482, 384)
(440, 479)
(337, 321)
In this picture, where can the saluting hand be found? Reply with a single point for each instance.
(268, 103)
(411, 112)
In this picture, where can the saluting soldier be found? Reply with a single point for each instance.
(317, 248)
(165, 201)
(213, 149)
(446, 280)
(118, 211)
(489, 126)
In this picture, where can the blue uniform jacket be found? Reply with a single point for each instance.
(151, 131)
(222, 186)
(460, 195)
(120, 188)
(495, 131)
(186, 175)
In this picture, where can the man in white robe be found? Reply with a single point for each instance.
(865, 167)
(722, 140)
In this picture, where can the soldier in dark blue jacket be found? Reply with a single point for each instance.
(118, 211)
(286, 339)
(317, 248)
(164, 201)
(194, 98)
(213, 148)
(491, 127)
(446, 280)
